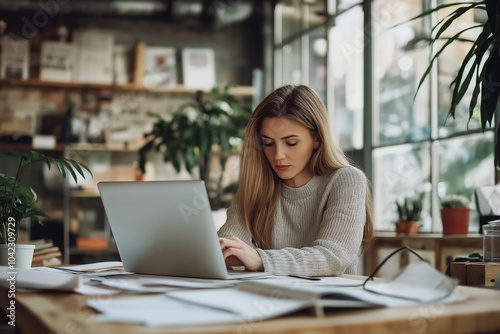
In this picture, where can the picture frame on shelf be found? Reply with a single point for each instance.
(160, 67)
(198, 68)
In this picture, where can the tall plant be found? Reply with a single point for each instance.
(18, 200)
(208, 127)
(481, 66)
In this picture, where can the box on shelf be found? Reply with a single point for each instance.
(15, 58)
(58, 61)
(475, 273)
(92, 243)
(18, 118)
(120, 65)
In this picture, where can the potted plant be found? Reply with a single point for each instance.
(202, 133)
(18, 201)
(409, 214)
(481, 66)
(455, 214)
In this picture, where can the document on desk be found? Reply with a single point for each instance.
(256, 300)
(157, 311)
(35, 279)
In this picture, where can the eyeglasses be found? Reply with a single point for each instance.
(443, 285)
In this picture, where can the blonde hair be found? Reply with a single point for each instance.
(259, 186)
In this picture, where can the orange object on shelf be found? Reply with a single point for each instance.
(92, 243)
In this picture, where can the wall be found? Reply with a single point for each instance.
(238, 50)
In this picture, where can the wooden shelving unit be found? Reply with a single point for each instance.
(241, 91)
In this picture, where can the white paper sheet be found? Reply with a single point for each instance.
(96, 267)
(36, 279)
(488, 200)
(158, 311)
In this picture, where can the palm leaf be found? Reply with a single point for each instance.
(435, 57)
(446, 22)
(490, 91)
(478, 49)
(434, 10)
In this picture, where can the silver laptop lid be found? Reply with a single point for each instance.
(164, 228)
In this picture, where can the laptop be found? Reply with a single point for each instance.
(166, 228)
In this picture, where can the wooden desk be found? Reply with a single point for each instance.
(63, 313)
(436, 242)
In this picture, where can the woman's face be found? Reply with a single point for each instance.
(288, 147)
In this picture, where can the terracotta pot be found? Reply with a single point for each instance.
(410, 228)
(455, 220)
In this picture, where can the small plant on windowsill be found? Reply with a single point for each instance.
(409, 214)
(455, 214)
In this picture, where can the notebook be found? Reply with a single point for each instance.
(166, 228)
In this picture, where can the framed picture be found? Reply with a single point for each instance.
(160, 67)
(198, 68)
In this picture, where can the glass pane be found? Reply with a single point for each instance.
(278, 67)
(465, 164)
(448, 64)
(399, 62)
(343, 5)
(345, 73)
(292, 72)
(400, 171)
(287, 17)
(318, 47)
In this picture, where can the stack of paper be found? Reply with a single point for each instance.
(255, 300)
(488, 200)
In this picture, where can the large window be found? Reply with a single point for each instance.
(368, 69)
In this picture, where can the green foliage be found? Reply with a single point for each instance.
(18, 200)
(455, 201)
(481, 66)
(411, 208)
(213, 123)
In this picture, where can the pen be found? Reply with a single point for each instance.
(310, 278)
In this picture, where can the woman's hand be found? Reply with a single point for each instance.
(238, 253)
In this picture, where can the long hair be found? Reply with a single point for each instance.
(259, 186)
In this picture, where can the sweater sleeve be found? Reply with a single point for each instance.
(337, 244)
(234, 226)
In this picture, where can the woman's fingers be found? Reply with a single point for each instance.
(238, 253)
(230, 242)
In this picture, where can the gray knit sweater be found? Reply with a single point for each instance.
(318, 228)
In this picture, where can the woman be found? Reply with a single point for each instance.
(300, 207)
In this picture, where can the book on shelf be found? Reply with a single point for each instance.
(57, 61)
(46, 260)
(160, 67)
(48, 250)
(14, 58)
(49, 262)
(45, 253)
(95, 56)
(198, 68)
(42, 243)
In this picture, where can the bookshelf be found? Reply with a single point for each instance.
(240, 91)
